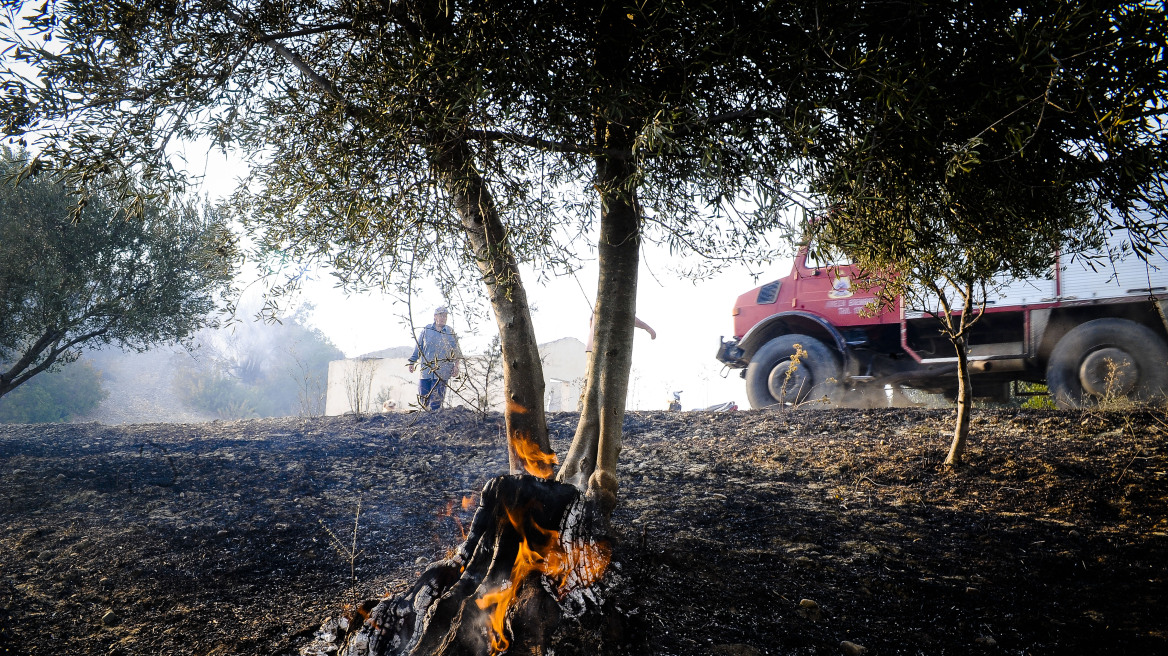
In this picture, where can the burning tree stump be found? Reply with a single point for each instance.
(534, 549)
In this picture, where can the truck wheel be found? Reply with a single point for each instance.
(1107, 359)
(773, 375)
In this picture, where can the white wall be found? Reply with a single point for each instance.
(564, 366)
(563, 361)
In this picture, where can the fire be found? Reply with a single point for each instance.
(535, 461)
(467, 504)
(571, 566)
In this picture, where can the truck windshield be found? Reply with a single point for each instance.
(822, 257)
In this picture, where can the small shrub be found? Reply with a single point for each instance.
(1035, 396)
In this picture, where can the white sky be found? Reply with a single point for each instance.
(689, 316)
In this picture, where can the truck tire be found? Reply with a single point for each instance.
(773, 377)
(1079, 375)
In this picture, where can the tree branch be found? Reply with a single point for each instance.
(30, 355)
(292, 58)
(614, 153)
(347, 25)
(727, 117)
(9, 381)
(546, 144)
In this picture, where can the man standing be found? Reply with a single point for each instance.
(437, 348)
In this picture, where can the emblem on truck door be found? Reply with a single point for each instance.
(841, 288)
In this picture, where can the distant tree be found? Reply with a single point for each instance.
(100, 275)
(306, 357)
(213, 389)
(71, 391)
(1028, 127)
(258, 368)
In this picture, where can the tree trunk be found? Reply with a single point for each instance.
(964, 405)
(453, 163)
(958, 336)
(523, 381)
(592, 458)
(494, 596)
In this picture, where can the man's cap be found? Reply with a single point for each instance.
(441, 309)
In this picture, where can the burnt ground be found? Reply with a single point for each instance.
(215, 538)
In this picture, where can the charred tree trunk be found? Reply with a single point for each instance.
(529, 559)
(523, 381)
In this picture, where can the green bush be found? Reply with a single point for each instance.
(1041, 400)
(56, 396)
(216, 393)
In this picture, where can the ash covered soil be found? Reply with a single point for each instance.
(738, 534)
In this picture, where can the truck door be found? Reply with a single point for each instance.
(827, 287)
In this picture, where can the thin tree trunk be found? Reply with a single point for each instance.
(592, 459)
(964, 405)
(964, 389)
(522, 368)
(580, 462)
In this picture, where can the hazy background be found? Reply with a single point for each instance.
(254, 368)
(689, 315)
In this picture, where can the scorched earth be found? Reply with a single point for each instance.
(794, 532)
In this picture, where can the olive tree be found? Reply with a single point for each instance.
(1028, 128)
(71, 279)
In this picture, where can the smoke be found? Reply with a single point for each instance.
(249, 368)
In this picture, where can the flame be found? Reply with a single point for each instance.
(535, 461)
(467, 504)
(572, 566)
(501, 599)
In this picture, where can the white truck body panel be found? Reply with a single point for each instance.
(1005, 292)
(1027, 291)
(1111, 274)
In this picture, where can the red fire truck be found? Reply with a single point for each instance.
(1094, 328)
